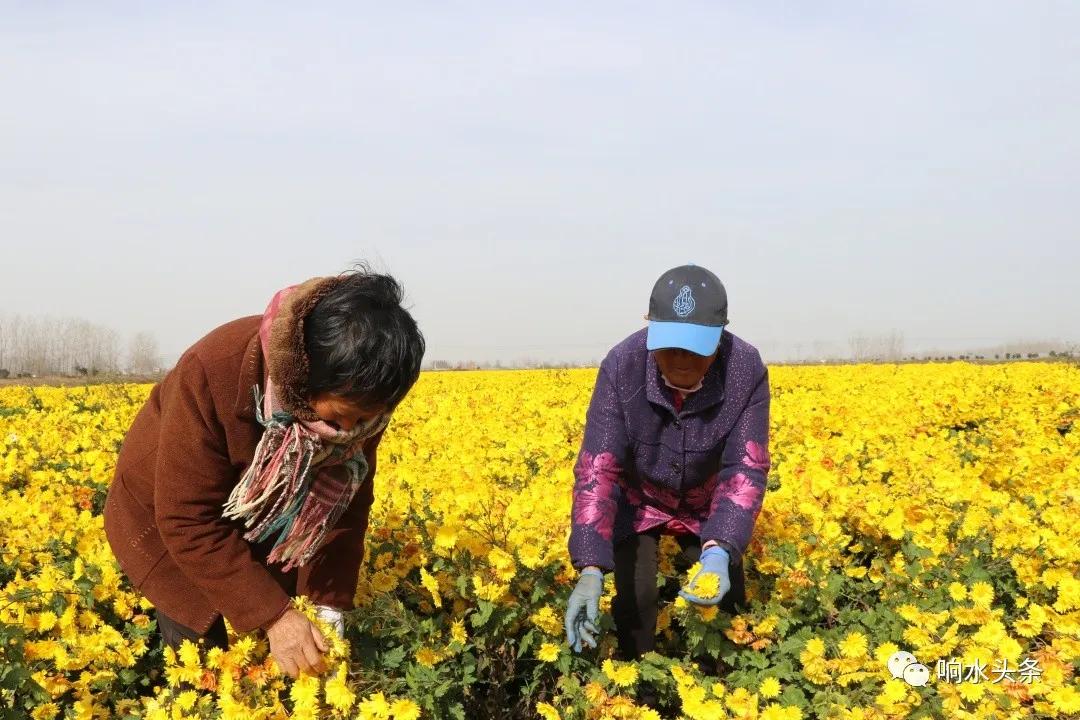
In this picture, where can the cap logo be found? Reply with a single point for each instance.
(684, 302)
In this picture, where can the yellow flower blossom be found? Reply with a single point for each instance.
(547, 712)
(458, 633)
(405, 709)
(548, 652)
(339, 695)
(854, 645)
(431, 585)
(769, 688)
(623, 675)
(982, 594)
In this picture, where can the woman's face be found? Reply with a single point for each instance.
(683, 368)
(341, 412)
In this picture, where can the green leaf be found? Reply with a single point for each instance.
(393, 657)
(793, 696)
(478, 619)
(563, 663)
(9, 680)
(525, 642)
(757, 660)
(58, 604)
(652, 673)
(792, 645)
(783, 670)
(540, 591)
(713, 644)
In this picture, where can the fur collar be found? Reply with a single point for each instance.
(287, 361)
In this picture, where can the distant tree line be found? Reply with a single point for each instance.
(890, 348)
(881, 348)
(40, 346)
(526, 364)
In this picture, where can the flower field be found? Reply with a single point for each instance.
(926, 508)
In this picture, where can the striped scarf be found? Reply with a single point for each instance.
(305, 473)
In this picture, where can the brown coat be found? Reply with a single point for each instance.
(186, 450)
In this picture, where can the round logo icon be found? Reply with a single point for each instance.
(899, 661)
(916, 674)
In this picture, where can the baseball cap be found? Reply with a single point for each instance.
(688, 310)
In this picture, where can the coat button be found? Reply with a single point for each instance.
(677, 424)
(676, 466)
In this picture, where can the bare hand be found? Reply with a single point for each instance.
(296, 644)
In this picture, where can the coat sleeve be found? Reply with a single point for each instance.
(330, 577)
(744, 468)
(192, 481)
(599, 466)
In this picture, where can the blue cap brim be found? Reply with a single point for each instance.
(699, 339)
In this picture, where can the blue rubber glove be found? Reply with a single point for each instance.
(713, 560)
(583, 609)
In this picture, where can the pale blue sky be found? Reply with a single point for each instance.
(528, 169)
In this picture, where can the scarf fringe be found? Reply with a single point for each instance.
(273, 493)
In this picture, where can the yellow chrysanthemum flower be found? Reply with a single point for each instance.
(854, 645)
(547, 712)
(338, 694)
(982, 594)
(428, 657)
(189, 654)
(769, 688)
(623, 675)
(549, 652)
(706, 585)
(431, 585)
(405, 709)
(458, 633)
(893, 692)
(815, 646)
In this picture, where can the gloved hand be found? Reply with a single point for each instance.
(583, 609)
(713, 560)
(332, 617)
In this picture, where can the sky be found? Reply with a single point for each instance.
(528, 170)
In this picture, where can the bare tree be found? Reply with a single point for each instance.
(9, 332)
(868, 348)
(143, 355)
(105, 354)
(860, 346)
(893, 346)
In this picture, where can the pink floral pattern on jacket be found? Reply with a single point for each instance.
(756, 457)
(594, 492)
(739, 490)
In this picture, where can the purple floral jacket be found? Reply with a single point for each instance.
(643, 465)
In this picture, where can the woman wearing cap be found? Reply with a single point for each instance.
(246, 477)
(676, 442)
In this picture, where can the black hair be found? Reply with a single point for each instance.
(360, 341)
